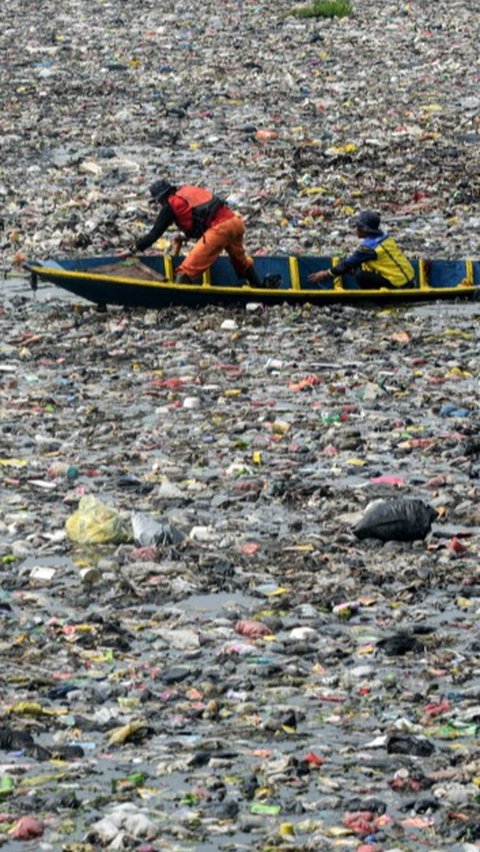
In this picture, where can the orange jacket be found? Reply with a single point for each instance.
(196, 209)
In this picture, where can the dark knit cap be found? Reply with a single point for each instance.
(368, 221)
(159, 190)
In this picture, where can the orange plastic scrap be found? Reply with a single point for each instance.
(266, 135)
(308, 382)
(170, 384)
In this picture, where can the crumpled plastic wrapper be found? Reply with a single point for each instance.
(96, 523)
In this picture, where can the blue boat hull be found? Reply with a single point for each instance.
(97, 280)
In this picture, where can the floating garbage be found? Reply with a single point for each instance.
(297, 167)
(195, 622)
(401, 519)
(148, 532)
(96, 523)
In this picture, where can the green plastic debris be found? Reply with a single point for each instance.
(7, 785)
(268, 810)
(136, 779)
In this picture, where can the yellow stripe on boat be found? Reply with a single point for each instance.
(338, 281)
(294, 273)
(422, 275)
(168, 262)
(469, 274)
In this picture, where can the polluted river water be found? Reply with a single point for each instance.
(237, 669)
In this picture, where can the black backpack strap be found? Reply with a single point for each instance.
(203, 214)
(397, 264)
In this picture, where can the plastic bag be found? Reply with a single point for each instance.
(96, 523)
(402, 519)
(148, 532)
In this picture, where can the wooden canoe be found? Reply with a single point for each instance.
(137, 281)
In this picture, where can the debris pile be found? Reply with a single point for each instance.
(297, 122)
(199, 648)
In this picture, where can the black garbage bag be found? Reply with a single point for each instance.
(401, 519)
(400, 644)
(408, 744)
(149, 532)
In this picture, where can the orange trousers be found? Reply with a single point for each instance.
(227, 235)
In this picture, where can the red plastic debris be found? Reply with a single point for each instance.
(437, 481)
(387, 480)
(252, 629)
(369, 847)
(250, 548)
(170, 384)
(144, 554)
(437, 708)
(314, 759)
(27, 828)
(457, 546)
(365, 822)
(402, 784)
(361, 822)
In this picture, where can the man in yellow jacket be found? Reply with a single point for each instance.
(377, 261)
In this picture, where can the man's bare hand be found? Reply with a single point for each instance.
(319, 276)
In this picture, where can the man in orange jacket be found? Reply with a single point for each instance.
(203, 216)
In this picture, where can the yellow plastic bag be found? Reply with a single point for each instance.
(96, 523)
